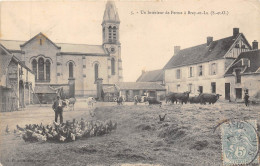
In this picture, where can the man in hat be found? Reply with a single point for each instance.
(246, 97)
(58, 106)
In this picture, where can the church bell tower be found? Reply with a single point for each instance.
(111, 43)
(110, 24)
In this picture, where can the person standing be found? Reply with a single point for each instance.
(58, 106)
(246, 97)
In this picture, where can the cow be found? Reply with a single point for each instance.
(91, 101)
(210, 98)
(120, 100)
(182, 97)
(194, 99)
(70, 103)
(152, 100)
(140, 99)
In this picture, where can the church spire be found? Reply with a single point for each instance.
(111, 14)
(110, 24)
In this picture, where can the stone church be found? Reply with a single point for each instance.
(60, 64)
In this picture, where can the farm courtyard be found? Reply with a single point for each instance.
(186, 137)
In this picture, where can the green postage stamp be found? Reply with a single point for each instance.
(239, 142)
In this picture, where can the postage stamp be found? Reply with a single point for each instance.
(239, 142)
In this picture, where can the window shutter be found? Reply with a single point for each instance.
(216, 65)
(210, 69)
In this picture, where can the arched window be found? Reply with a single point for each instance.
(114, 33)
(96, 71)
(48, 70)
(113, 71)
(109, 33)
(34, 67)
(41, 68)
(70, 69)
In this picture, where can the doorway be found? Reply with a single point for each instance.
(238, 93)
(227, 91)
(213, 87)
(200, 89)
(21, 94)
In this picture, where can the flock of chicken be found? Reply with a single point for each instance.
(69, 131)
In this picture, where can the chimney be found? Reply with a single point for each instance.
(235, 31)
(209, 40)
(255, 45)
(176, 49)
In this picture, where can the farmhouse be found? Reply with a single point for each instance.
(77, 65)
(203, 68)
(244, 75)
(17, 82)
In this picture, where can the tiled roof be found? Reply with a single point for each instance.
(12, 44)
(5, 58)
(202, 53)
(253, 56)
(65, 47)
(151, 76)
(44, 89)
(139, 86)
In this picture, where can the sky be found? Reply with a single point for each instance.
(147, 40)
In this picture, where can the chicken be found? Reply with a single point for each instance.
(162, 118)
(69, 131)
(7, 129)
(61, 138)
(20, 128)
(72, 136)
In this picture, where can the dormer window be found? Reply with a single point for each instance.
(243, 46)
(237, 46)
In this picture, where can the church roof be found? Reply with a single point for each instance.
(139, 86)
(111, 14)
(202, 53)
(12, 45)
(151, 76)
(251, 66)
(42, 35)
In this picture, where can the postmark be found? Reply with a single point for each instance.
(239, 142)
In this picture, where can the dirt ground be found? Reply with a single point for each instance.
(186, 137)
